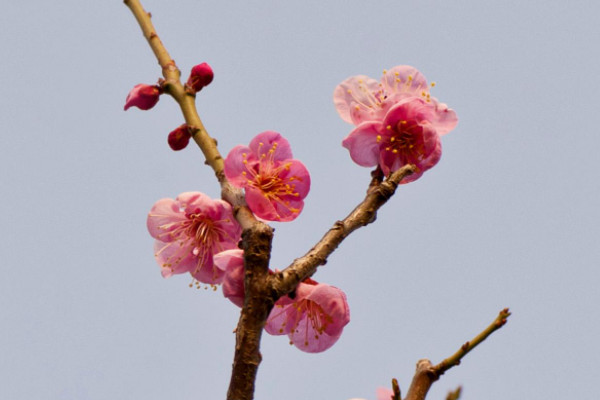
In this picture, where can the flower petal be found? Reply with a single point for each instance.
(356, 99)
(163, 218)
(298, 176)
(404, 79)
(235, 167)
(445, 119)
(383, 393)
(173, 258)
(363, 145)
(271, 143)
(260, 204)
(232, 263)
(333, 302)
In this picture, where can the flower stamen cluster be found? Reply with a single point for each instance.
(275, 184)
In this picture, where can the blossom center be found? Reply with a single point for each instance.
(404, 139)
(200, 233)
(271, 177)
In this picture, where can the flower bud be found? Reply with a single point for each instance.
(179, 138)
(142, 96)
(201, 75)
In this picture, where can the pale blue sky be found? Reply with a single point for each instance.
(509, 217)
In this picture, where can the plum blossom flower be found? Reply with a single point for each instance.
(360, 98)
(275, 184)
(189, 231)
(397, 121)
(143, 97)
(179, 138)
(200, 76)
(405, 136)
(231, 262)
(314, 319)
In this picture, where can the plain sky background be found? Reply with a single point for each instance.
(508, 218)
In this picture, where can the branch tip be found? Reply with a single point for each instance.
(396, 389)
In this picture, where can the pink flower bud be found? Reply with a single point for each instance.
(201, 75)
(143, 97)
(179, 138)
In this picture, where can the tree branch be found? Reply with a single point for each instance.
(365, 213)
(172, 85)
(426, 373)
(258, 303)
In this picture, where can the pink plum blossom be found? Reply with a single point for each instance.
(179, 138)
(202, 75)
(143, 97)
(360, 98)
(314, 319)
(397, 121)
(405, 136)
(231, 262)
(275, 184)
(189, 231)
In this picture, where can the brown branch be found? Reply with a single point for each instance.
(258, 303)
(426, 373)
(365, 213)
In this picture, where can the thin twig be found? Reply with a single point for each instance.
(172, 85)
(396, 390)
(426, 373)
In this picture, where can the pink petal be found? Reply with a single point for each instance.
(356, 99)
(163, 218)
(190, 202)
(297, 175)
(363, 144)
(232, 263)
(333, 301)
(269, 140)
(384, 393)
(235, 166)
(282, 318)
(260, 204)
(229, 259)
(404, 79)
(445, 119)
(288, 209)
(307, 339)
(173, 258)
(207, 273)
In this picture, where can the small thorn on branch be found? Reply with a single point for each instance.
(454, 394)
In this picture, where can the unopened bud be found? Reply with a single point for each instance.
(143, 97)
(201, 75)
(179, 138)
